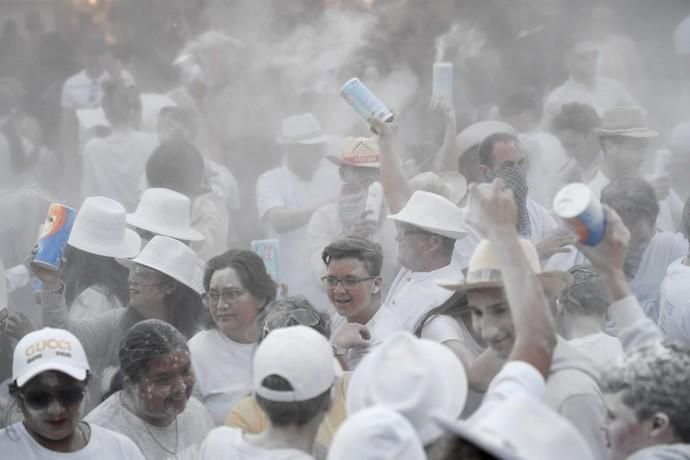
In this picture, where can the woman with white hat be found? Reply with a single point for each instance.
(49, 379)
(162, 285)
(155, 408)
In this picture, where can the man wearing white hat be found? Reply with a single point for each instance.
(572, 388)
(287, 196)
(294, 373)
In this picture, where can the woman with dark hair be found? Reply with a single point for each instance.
(155, 408)
(162, 285)
(237, 287)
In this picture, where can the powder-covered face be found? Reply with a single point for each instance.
(166, 387)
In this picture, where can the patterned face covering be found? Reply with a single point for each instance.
(515, 178)
(353, 194)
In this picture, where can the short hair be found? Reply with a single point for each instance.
(181, 116)
(121, 103)
(633, 198)
(250, 269)
(486, 148)
(655, 379)
(368, 252)
(278, 314)
(145, 342)
(587, 295)
(581, 118)
(293, 413)
(451, 447)
(176, 165)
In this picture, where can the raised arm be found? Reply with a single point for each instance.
(396, 190)
(493, 211)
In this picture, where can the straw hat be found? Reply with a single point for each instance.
(625, 121)
(170, 257)
(101, 228)
(475, 133)
(484, 273)
(360, 152)
(434, 214)
(165, 212)
(302, 129)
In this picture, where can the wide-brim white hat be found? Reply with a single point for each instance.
(521, 428)
(302, 129)
(165, 212)
(484, 272)
(172, 258)
(101, 228)
(415, 377)
(434, 214)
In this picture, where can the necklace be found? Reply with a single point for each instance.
(171, 452)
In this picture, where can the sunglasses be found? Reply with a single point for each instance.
(66, 396)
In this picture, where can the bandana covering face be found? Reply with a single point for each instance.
(353, 195)
(515, 179)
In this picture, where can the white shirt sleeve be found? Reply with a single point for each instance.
(516, 377)
(268, 194)
(442, 328)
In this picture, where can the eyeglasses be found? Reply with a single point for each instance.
(228, 295)
(332, 282)
(67, 396)
(283, 318)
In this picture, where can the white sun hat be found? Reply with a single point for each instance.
(484, 272)
(170, 257)
(300, 355)
(521, 428)
(302, 129)
(376, 433)
(165, 212)
(415, 377)
(101, 228)
(475, 133)
(48, 349)
(434, 214)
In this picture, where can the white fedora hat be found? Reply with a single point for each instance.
(170, 257)
(302, 129)
(475, 133)
(484, 273)
(415, 377)
(101, 228)
(521, 428)
(434, 214)
(165, 212)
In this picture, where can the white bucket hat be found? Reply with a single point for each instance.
(301, 356)
(415, 377)
(521, 428)
(302, 129)
(48, 349)
(170, 257)
(361, 152)
(484, 272)
(376, 433)
(434, 214)
(475, 133)
(165, 212)
(101, 228)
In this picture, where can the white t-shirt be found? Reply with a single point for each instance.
(443, 328)
(226, 443)
(601, 348)
(541, 223)
(663, 248)
(92, 302)
(114, 164)
(414, 294)
(547, 159)
(223, 371)
(187, 433)
(81, 92)
(281, 188)
(17, 444)
(674, 317)
(381, 326)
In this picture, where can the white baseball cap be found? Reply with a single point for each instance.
(521, 428)
(301, 356)
(415, 377)
(376, 433)
(48, 350)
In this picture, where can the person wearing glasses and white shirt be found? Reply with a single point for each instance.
(49, 379)
(353, 283)
(237, 289)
